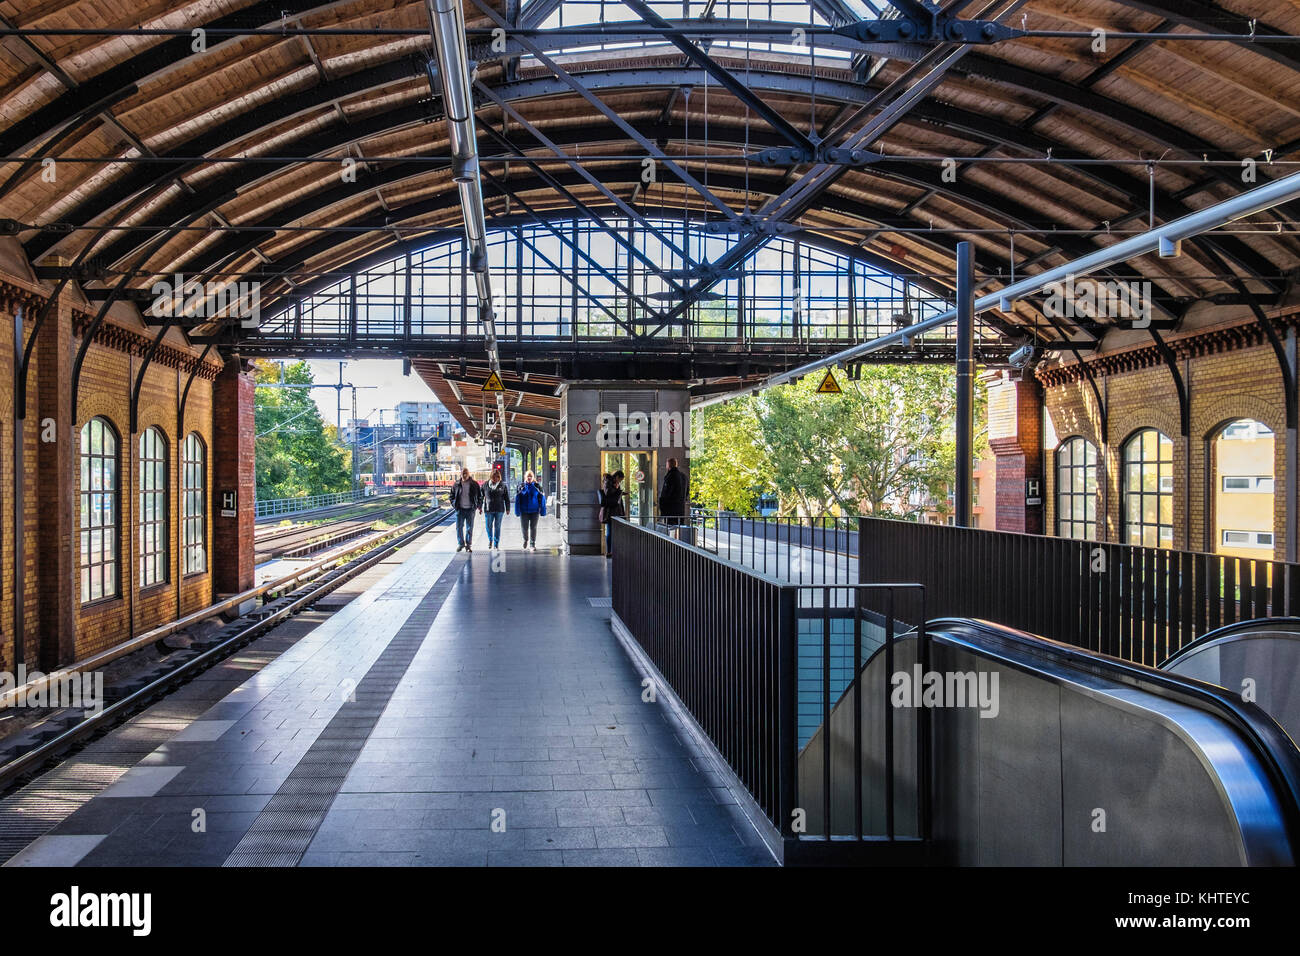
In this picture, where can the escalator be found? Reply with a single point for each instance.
(1259, 660)
(1039, 753)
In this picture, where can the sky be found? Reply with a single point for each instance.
(389, 388)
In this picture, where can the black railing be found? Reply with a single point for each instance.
(1139, 604)
(761, 663)
(725, 640)
(872, 611)
(820, 550)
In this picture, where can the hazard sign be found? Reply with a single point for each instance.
(493, 383)
(829, 386)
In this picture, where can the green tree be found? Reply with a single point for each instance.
(885, 445)
(729, 467)
(297, 453)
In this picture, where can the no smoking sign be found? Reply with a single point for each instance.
(583, 427)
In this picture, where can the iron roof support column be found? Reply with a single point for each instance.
(965, 383)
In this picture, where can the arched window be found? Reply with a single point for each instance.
(99, 512)
(194, 525)
(1149, 490)
(1076, 489)
(152, 520)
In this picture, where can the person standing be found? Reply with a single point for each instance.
(611, 507)
(673, 498)
(466, 497)
(530, 504)
(496, 502)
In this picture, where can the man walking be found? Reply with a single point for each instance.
(466, 497)
(673, 499)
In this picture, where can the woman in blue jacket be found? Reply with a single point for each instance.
(530, 504)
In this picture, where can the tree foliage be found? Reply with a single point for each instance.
(884, 446)
(297, 453)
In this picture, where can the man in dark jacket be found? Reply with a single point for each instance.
(466, 497)
(673, 499)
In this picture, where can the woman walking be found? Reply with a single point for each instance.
(496, 502)
(611, 507)
(530, 504)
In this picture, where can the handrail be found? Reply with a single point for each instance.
(1270, 743)
(1290, 625)
(212, 610)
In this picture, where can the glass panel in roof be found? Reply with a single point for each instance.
(575, 13)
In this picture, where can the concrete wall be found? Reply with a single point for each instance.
(588, 414)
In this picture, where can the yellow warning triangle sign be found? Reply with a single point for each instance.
(829, 386)
(493, 383)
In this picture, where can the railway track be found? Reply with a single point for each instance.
(33, 751)
(301, 540)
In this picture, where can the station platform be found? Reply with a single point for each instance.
(466, 709)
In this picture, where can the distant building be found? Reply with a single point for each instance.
(426, 417)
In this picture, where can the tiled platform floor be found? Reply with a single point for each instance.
(467, 710)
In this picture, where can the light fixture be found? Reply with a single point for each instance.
(1023, 356)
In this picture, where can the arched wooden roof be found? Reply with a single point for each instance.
(291, 100)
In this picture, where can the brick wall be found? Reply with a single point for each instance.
(58, 627)
(1015, 438)
(1230, 375)
(233, 431)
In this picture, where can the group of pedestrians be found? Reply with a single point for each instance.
(493, 498)
(674, 501)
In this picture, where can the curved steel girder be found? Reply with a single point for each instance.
(239, 178)
(992, 205)
(622, 174)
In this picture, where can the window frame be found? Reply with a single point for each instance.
(1164, 488)
(153, 542)
(96, 501)
(1091, 461)
(197, 495)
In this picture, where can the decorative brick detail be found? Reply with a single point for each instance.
(234, 471)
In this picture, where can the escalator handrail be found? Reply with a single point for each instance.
(1289, 625)
(1274, 749)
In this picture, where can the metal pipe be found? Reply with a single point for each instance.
(1247, 204)
(451, 55)
(965, 382)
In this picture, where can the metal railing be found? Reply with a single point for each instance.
(1139, 604)
(754, 658)
(273, 507)
(813, 550)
